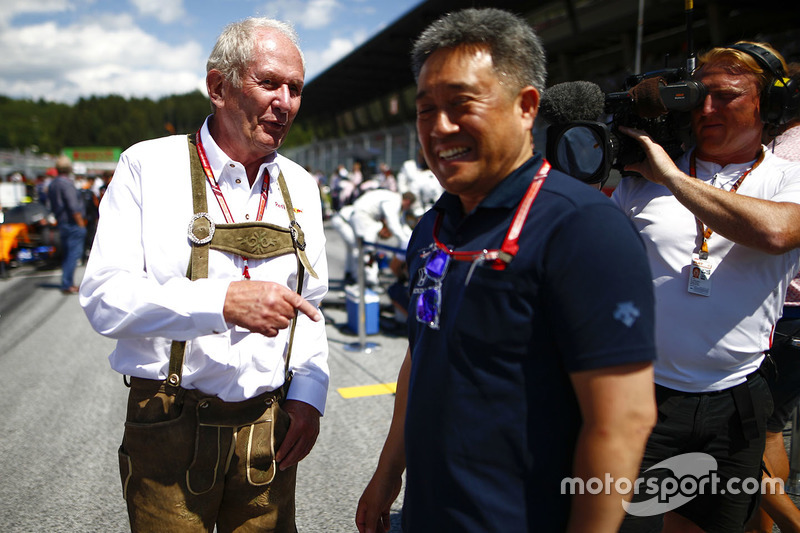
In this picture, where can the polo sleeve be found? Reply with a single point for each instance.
(600, 292)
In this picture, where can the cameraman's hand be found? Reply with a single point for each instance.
(657, 167)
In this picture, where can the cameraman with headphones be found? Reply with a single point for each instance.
(728, 208)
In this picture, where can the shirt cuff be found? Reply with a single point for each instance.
(307, 389)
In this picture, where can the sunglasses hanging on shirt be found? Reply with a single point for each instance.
(429, 301)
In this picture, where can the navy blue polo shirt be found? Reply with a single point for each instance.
(492, 418)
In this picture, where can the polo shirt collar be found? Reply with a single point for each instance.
(507, 193)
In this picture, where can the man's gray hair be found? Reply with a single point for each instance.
(517, 52)
(236, 44)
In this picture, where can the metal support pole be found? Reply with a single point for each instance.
(362, 345)
(412, 143)
(388, 149)
(793, 483)
(637, 68)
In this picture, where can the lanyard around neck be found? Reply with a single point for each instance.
(223, 205)
(498, 259)
(702, 228)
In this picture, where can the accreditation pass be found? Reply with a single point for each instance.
(700, 276)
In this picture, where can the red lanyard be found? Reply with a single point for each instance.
(498, 259)
(706, 231)
(223, 205)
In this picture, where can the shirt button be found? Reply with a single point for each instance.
(232, 165)
(247, 217)
(238, 180)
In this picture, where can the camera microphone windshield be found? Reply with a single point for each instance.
(570, 101)
(576, 142)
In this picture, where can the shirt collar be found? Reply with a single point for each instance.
(723, 176)
(506, 194)
(218, 159)
(511, 189)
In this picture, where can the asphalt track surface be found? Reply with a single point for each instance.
(62, 411)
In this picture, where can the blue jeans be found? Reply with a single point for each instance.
(72, 242)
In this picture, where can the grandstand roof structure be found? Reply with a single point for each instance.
(595, 40)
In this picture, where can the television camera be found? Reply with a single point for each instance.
(658, 103)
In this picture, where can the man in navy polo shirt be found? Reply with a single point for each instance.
(530, 357)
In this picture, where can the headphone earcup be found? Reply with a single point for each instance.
(770, 110)
(780, 100)
(791, 102)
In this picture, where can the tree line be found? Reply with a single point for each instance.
(49, 127)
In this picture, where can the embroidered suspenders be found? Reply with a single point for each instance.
(251, 240)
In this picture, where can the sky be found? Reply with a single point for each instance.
(63, 50)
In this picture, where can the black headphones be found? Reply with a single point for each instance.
(780, 99)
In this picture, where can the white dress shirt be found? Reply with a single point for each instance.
(135, 287)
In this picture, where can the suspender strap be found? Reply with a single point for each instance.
(202, 225)
(254, 240)
(299, 241)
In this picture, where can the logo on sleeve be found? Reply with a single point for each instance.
(627, 313)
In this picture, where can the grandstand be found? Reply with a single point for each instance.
(362, 107)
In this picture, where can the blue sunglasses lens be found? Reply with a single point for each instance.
(428, 307)
(436, 264)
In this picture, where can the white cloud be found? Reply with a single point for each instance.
(165, 11)
(102, 56)
(11, 8)
(338, 47)
(309, 14)
(67, 49)
(319, 13)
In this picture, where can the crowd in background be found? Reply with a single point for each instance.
(89, 189)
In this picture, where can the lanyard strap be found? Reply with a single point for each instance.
(702, 229)
(198, 264)
(223, 205)
(226, 212)
(500, 258)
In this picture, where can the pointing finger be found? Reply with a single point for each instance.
(303, 305)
